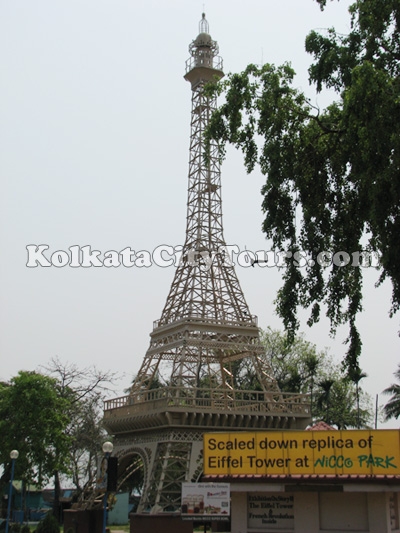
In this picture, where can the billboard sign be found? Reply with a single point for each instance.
(205, 502)
(348, 452)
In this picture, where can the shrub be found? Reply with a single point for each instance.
(49, 524)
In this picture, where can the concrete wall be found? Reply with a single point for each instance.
(119, 514)
(306, 514)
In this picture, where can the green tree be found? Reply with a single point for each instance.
(299, 367)
(312, 363)
(356, 375)
(336, 404)
(296, 362)
(49, 524)
(55, 422)
(332, 185)
(33, 420)
(392, 408)
(324, 399)
(83, 392)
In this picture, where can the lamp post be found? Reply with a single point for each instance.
(13, 456)
(107, 450)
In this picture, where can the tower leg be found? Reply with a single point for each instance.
(177, 459)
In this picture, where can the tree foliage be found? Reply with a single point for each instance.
(84, 390)
(296, 363)
(332, 185)
(48, 525)
(299, 367)
(392, 407)
(33, 419)
(341, 405)
(55, 422)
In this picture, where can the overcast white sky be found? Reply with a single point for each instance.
(94, 139)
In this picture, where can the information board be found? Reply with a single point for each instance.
(348, 452)
(203, 502)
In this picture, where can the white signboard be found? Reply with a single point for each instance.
(270, 511)
(205, 502)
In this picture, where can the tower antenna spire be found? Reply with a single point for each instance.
(203, 24)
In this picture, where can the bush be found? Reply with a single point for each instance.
(49, 524)
(15, 527)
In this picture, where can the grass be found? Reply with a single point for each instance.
(109, 528)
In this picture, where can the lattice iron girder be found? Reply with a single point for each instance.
(219, 343)
(193, 356)
(126, 471)
(197, 337)
(146, 442)
(196, 287)
(201, 299)
(201, 353)
(147, 373)
(249, 321)
(215, 339)
(170, 467)
(197, 332)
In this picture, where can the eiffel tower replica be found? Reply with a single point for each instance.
(204, 343)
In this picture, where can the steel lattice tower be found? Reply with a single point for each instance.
(204, 341)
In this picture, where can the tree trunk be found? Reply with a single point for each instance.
(56, 502)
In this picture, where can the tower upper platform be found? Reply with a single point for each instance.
(204, 64)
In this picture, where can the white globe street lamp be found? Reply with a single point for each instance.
(13, 456)
(107, 449)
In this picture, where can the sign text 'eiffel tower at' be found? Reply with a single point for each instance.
(204, 342)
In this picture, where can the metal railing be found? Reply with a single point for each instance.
(203, 399)
(251, 321)
(210, 62)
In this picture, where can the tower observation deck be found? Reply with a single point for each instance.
(205, 340)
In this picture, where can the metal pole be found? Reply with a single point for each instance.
(10, 494)
(107, 449)
(105, 512)
(106, 456)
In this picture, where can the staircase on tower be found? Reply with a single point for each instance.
(204, 342)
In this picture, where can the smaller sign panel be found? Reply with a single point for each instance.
(204, 502)
(270, 510)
